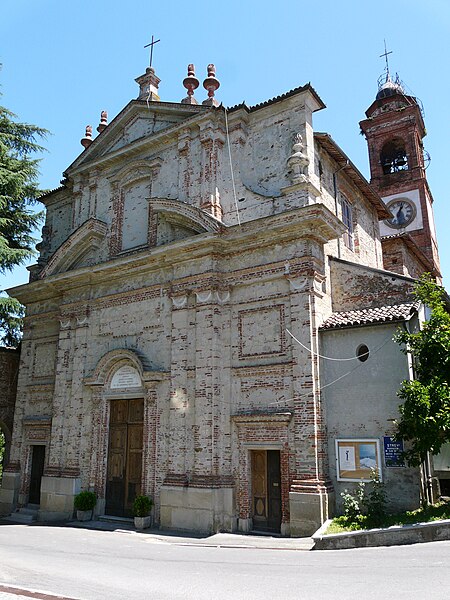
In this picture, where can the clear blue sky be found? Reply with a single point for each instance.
(64, 62)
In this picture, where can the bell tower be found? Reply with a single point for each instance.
(394, 130)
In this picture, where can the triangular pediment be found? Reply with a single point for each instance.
(139, 122)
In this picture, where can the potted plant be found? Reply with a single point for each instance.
(84, 503)
(142, 507)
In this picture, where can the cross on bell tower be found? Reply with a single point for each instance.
(394, 130)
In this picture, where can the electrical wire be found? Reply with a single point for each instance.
(231, 167)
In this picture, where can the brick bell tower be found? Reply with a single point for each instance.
(394, 130)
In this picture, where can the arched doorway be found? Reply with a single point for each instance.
(123, 391)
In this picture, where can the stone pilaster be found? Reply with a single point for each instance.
(76, 409)
(310, 492)
(179, 394)
(212, 140)
(61, 396)
(185, 166)
(209, 427)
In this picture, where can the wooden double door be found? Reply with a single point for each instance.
(266, 490)
(124, 473)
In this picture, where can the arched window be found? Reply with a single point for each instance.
(393, 157)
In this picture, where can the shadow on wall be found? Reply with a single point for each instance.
(5, 445)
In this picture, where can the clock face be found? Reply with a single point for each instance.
(403, 211)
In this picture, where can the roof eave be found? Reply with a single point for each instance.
(328, 143)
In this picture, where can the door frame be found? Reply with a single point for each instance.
(99, 389)
(30, 468)
(267, 490)
(126, 465)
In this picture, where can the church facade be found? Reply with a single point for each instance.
(198, 266)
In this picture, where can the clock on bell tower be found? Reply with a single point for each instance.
(394, 130)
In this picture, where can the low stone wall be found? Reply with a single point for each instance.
(392, 536)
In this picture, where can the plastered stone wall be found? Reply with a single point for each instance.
(157, 274)
(364, 403)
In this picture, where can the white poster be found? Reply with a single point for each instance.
(347, 458)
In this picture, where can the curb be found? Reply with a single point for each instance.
(397, 535)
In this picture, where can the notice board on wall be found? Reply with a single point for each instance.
(355, 459)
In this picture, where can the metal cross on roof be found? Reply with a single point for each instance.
(385, 54)
(151, 44)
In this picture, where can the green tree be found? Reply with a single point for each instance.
(425, 412)
(18, 220)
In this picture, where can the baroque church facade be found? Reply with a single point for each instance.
(200, 268)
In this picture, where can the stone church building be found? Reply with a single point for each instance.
(204, 275)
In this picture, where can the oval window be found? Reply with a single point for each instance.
(362, 353)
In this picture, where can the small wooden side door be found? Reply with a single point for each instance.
(259, 488)
(273, 490)
(37, 470)
(266, 490)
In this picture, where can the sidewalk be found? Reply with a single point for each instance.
(217, 540)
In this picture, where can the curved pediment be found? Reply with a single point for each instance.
(186, 215)
(124, 368)
(80, 249)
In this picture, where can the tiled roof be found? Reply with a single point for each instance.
(297, 90)
(369, 316)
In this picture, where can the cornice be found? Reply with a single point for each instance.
(315, 222)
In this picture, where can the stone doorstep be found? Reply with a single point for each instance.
(395, 535)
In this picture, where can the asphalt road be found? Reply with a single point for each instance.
(91, 565)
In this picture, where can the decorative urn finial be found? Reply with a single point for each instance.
(103, 121)
(211, 84)
(191, 83)
(298, 161)
(87, 140)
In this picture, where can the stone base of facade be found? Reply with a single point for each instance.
(9, 493)
(57, 495)
(202, 509)
(245, 525)
(309, 511)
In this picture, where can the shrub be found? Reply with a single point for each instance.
(361, 502)
(376, 499)
(353, 503)
(85, 500)
(142, 506)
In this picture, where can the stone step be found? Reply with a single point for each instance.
(112, 519)
(18, 517)
(27, 510)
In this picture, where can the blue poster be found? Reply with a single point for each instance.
(393, 453)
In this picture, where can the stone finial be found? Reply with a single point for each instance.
(103, 121)
(148, 85)
(87, 140)
(211, 84)
(298, 161)
(191, 83)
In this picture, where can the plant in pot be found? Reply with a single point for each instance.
(84, 503)
(142, 507)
